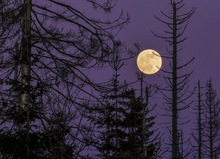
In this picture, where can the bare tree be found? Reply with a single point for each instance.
(197, 135)
(177, 81)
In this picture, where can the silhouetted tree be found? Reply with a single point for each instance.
(122, 123)
(152, 138)
(138, 125)
(197, 135)
(109, 115)
(211, 126)
(176, 80)
(123, 136)
(45, 46)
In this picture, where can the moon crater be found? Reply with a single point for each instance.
(149, 61)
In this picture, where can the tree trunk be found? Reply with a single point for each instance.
(143, 118)
(174, 90)
(199, 123)
(25, 69)
(211, 130)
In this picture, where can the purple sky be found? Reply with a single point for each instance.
(203, 41)
(203, 35)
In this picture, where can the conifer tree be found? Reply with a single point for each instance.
(122, 124)
(122, 136)
(211, 126)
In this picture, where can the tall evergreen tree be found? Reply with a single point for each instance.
(139, 124)
(176, 80)
(122, 123)
(211, 126)
(109, 115)
(122, 136)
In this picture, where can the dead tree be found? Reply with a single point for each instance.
(177, 83)
(198, 135)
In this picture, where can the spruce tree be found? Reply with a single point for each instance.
(211, 126)
(122, 123)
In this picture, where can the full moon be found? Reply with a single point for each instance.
(149, 61)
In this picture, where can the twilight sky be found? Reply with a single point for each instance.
(203, 41)
(203, 35)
